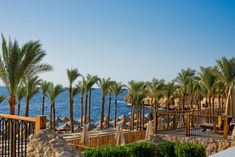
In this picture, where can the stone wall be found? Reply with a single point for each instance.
(49, 144)
(211, 145)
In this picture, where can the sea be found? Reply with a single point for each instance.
(62, 105)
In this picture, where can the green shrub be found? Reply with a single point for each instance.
(138, 149)
(189, 150)
(167, 149)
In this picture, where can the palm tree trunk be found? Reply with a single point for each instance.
(115, 111)
(183, 101)
(54, 116)
(43, 102)
(213, 105)
(89, 107)
(71, 109)
(18, 107)
(51, 115)
(81, 108)
(132, 115)
(27, 107)
(102, 112)
(86, 100)
(220, 104)
(142, 110)
(12, 103)
(109, 105)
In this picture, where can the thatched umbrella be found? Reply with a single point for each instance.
(119, 134)
(58, 120)
(85, 136)
(78, 129)
(159, 124)
(64, 127)
(74, 122)
(149, 130)
(65, 119)
(124, 117)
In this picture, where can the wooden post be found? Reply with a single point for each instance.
(226, 127)
(155, 122)
(187, 131)
(40, 123)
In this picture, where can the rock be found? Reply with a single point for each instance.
(49, 144)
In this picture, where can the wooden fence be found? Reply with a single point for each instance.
(107, 140)
(14, 132)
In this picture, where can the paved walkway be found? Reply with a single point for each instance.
(230, 152)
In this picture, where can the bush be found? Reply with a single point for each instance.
(189, 150)
(167, 149)
(138, 149)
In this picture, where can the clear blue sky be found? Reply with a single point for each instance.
(124, 39)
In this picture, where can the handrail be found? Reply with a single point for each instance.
(18, 117)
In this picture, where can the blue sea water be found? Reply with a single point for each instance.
(62, 106)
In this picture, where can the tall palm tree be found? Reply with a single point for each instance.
(193, 90)
(208, 82)
(141, 95)
(109, 102)
(183, 80)
(133, 88)
(31, 88)
(168, 93)
(226, 74)
(72, 75)
(16, 62)
(116, 88)
(104, 85)
(20, 93)
(81, 90)
(91, 80)
(44, 85)
(53, 92)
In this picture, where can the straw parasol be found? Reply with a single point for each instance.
(65, 119)
(74, 122)
(78, 129)
(149, 130)
(119, 134)
(58, 120)
(124, 117)
(159, 124)
(85, 136)
(64, 127)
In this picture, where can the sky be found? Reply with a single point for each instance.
(123, 39)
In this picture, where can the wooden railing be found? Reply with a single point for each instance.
(14, 132)
(107, 140)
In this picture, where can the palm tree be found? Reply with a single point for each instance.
(226, 74)
(91, 80)
(53, 92)
(31, 88)
(16, 62)
(44, 85)
(2, 98)
(116, 88)
(133, 89)
(104, 85)
(72, 75)
(20, 93)
(183, 80)
(168, 93)
(208, 82)
(193, 90)
(141, 95)
(81, 90)
(109, 102)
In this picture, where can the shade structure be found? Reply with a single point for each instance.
(159, 124)
(119, 134)
(64, 127)
(149, 130)
(58, 120)
(124, 117)
(74, 122)
(85, 136)
(65, 119)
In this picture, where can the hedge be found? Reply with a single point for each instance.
(172, 149)
(137, 149)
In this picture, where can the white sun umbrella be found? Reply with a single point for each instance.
(119, 134)
(149, 130)
(159, 124)
(85, 136)
(181, 122)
